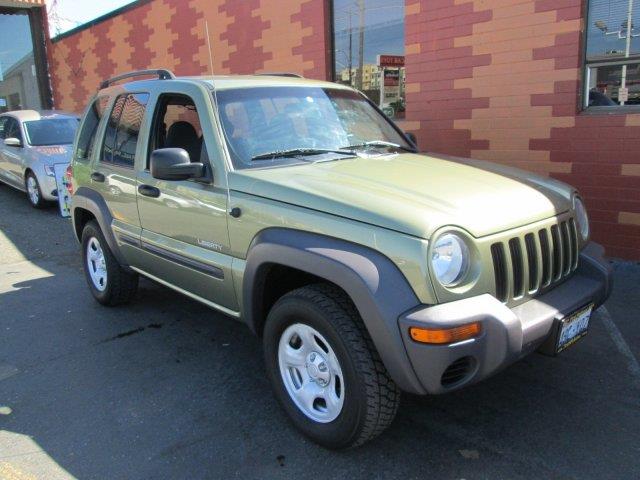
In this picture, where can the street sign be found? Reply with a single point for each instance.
(623, 94)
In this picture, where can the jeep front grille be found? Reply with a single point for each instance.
(532, 261)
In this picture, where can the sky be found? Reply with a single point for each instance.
(67, 14)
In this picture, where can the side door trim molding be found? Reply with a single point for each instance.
(183, 261)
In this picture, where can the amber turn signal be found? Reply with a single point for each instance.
(441, 336)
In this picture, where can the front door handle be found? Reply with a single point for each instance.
(149, 191)
(97, 177)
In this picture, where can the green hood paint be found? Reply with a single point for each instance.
(413, 194)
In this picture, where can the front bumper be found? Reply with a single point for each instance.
(48, 187)
(507, 333)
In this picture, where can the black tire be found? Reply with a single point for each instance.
(121, 285)
(41, 202)
(371, 397)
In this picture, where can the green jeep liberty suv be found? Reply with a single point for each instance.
(300, 209)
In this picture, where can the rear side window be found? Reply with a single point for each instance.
(121, 138)
(89, 129)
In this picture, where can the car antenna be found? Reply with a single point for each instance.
(215, 100)
(206, 32)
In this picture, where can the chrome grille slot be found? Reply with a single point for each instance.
(517, 267)
(573, 234)
(567, 257)
(500, 271)
(546, 257)
(557, 252)
(531, 261)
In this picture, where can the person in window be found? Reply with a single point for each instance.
(599, 99)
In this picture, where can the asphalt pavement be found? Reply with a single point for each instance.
(165, 388)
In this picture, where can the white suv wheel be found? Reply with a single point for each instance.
(311, 373)
(96, 264)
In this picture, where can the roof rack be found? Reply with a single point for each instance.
(162, 74)
(280, 74)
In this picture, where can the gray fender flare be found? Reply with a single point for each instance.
(375, 285)
(92, 201)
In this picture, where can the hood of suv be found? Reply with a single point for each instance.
(413, 194)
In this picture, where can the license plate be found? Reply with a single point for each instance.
(573, 328)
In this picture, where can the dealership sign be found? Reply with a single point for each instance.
(391, 61)
(390, 67)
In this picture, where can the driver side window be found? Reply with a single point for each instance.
(177, 125)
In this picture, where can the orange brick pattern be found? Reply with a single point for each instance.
(501, 80)
(246, 36)
(24, 3)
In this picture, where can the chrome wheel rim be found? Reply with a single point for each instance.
(96, 264)
(32, 190)
(311, 373)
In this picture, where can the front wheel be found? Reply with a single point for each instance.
(34, 194)
(324, 369)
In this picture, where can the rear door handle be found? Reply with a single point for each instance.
(97, 177)
(149, 191)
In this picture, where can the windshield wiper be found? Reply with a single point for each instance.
(293, 152)
(378, 143)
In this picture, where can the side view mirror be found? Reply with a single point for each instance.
(174, 164)
(412, 137)
(12, 142)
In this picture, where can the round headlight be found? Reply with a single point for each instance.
(450, 259)
(581, 219)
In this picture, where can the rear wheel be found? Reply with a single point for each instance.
(34, 194)
(324, 369)
(109, 283)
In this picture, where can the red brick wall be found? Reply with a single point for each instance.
(496, 80)
(501, 81)
(246, 36)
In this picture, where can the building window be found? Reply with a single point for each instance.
(369, 50)
(19, 87)
(613, 54)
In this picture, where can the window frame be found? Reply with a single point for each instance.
(588, 66)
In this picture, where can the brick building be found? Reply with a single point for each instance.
(551, 86)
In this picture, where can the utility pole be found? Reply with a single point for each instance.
(350, 51)
(360, 46)
(623, 82)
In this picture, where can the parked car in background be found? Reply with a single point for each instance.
(297, 207)
(31, 143)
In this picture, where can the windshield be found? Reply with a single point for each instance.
(261, 122)
(51, 131)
